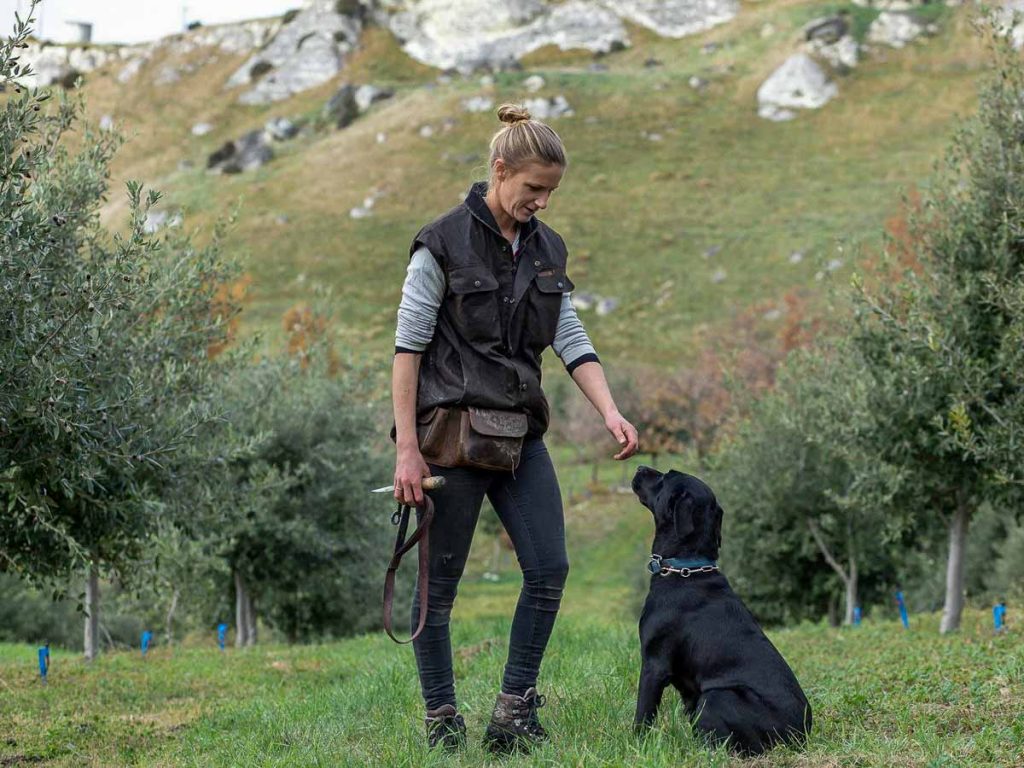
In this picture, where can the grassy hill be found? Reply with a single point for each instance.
(638, 214)
(881, 696)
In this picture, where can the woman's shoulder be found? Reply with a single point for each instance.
(551, 237)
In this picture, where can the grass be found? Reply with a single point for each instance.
(881, 696)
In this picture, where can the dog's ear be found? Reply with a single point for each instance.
(680, 506)
(716, 525)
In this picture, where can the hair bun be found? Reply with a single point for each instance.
(513, 113)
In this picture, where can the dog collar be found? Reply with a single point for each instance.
(664, 566)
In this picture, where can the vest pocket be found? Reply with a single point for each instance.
(463, 280)
(473, 305)
(554, 281)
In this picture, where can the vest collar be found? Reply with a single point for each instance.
(477, 206)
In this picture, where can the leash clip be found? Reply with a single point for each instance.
(396, 516)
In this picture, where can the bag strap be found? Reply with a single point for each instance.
(421, 535)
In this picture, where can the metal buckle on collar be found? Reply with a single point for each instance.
(655, 566)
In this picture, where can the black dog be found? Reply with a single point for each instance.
(696, 634)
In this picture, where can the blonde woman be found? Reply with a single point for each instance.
(485, 294)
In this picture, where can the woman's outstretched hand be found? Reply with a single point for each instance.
(624, 432)
(410, 469)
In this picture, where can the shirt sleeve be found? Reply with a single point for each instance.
(422, 293)
(572, 344)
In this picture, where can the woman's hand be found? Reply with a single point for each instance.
(410, 469)
(624, 432)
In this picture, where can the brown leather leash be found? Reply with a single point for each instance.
(422, 536)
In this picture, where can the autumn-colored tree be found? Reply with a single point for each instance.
(687, 407)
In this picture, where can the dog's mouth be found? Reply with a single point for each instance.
(642, 480)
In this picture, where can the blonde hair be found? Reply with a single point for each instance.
(524, 140)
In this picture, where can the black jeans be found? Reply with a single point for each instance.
(529, 505)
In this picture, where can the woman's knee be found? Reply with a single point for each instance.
(550, 574)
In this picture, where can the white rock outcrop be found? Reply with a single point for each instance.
(547, 109)
(304, 53)
(798, 84)
(472, 34)
(477, 104)
(842, 54)
(53, 63)
(533, 83)
(894, 29)
(240, 37)
(368, 95)
(1012, 10)
(676, 18)
(480, 33)
(890, 5)
(132, 68)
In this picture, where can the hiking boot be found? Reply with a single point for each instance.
(446, 727)
(514, 724)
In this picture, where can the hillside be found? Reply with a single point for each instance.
(679, 202)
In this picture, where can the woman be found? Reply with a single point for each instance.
(485, 293)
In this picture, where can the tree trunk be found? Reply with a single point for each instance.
(496, 555)
(241, 609)
(250, 636)
(245, 615)
(848, 577)
(169, 624)
(954, 605)
(92, 613)
(851, 593)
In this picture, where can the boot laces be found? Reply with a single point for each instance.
(525, 713)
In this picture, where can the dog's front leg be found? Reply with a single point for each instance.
(653, 680)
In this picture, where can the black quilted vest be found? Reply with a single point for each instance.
(497, 316)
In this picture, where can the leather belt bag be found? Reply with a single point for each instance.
(485, 438)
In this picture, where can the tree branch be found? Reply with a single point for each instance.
(820, 540)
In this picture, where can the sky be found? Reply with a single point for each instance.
(132, 21)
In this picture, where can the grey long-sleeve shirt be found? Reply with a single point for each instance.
(423, 291)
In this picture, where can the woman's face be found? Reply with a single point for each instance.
(522, 193)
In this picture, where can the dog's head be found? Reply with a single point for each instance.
(687, 517)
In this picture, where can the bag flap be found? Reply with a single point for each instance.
(494, 423)
(427, 416)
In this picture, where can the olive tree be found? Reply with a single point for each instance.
(103, 347)
(805, 496)
(943, 343)
(286, 505)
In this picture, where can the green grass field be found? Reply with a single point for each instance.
(881, 696)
